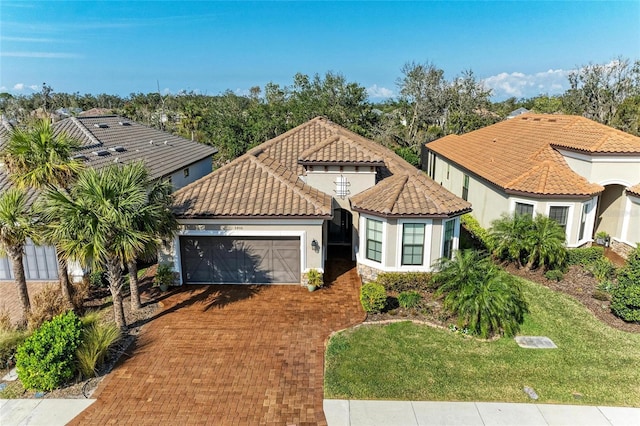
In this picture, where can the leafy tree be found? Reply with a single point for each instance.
(487, 300)
(16, 225)
(38, 158)
(468, 105)
(98, 222)
(627, 116)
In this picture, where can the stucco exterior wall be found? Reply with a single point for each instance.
(325, 180)
(605, 170)
(631, 234)
(195, 172)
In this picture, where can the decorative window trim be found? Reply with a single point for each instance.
(569, 224)
(380, 223)
(513, 201)
(455, 238)
(361, 255)
(342, 186)
(426, 251)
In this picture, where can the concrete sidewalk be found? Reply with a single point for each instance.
(45, 412)
(417, 413)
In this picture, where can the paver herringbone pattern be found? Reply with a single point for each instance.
(231, 355)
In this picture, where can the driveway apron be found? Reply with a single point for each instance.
(231, 355)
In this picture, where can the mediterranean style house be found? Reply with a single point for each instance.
(315, 192)
(581, 173)
(108, 140)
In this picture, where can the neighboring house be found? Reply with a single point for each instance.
(517, 112)
(315, 192)
(583, 174)
(107, 140)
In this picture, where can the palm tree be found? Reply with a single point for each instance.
(161, 223)
(38, 158)
(15, 227)
(507, 235)
(486, 299)
(97, 222)
(545, 243)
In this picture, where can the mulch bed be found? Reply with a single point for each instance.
(99, 298)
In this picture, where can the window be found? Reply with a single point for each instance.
(447, 248)
(342, 186)
(412, 243)
(465, 187)
(431, 165)
(448, 170)
(524, 209)
(559, 214)
(374, 240)
(186, 172)
(583, 220)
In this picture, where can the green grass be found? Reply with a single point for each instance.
(405, 361)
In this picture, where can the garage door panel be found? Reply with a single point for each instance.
(228, 260)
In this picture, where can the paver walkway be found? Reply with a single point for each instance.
(231, 355)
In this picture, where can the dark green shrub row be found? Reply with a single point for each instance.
(584, 255)
(472, 225)
(46, 359)
(404, 281)
(373, 297)
(409, 299)
(625, 301)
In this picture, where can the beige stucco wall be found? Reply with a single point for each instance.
(631, 233)
(306, 229)
(358, 180)
(605, 170)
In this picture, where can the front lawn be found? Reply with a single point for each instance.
(594, 364)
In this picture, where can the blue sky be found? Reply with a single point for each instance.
(519, 48)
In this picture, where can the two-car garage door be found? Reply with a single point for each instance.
(240, 260)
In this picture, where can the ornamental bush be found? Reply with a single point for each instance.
(472, 225)
(399, 281)
(554, 275)
(584, 255)
(373, 297)
(46, 359)
(409, 299)
(625, 300)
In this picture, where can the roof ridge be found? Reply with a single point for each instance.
(394, 198)
(86, 132)
(285, 181)
(319, 146)
(267, 144)
(545, 175)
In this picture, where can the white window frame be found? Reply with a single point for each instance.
(362, 254)
(426, 250)
(456, 235)
(589, 220)
(513, 201)
(569, 225)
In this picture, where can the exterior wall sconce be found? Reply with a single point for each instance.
(315, 245)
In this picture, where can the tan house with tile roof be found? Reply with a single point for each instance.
(312, 193)
(584, 174)
(107, 140)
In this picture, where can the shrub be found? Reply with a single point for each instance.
(46, 359)
(46, 304)
(602, 269)
(486, 299)
(97, 279)
(625, 301)
(96, 341)
(79, 294)
(478, 232)
(314, 278)
(373, 297)
(600, 295)
(164, 275)
(409, 299)
(554, 275)
(584, 255)
(9, 342)
(5, 320)
(397, 282)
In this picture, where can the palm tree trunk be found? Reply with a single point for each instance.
(21, 281)
(134, 285)
(63, 276)
(114, 277)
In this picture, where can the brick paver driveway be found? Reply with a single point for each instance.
(231, 355)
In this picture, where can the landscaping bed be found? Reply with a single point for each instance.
(99, 299)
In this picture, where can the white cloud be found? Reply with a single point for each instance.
(34, 87)
(517, 84)
(3, 88)
(379, 92)
(18, 87)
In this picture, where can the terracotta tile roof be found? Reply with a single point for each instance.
(109, 139)
(634, 190)
(520, 155)
(265, 181)
(339, 150)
